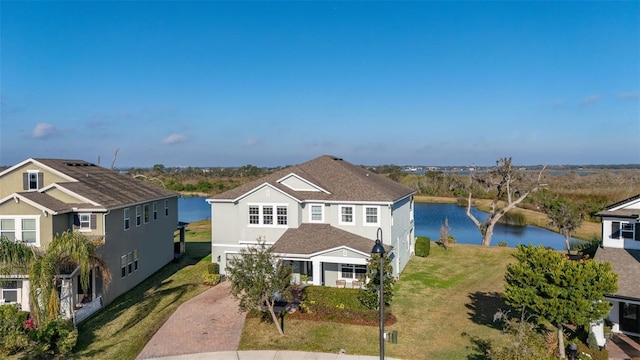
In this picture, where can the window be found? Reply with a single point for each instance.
(127, 219)
(135, 260)
(85, 221)
(371, 215)
(123, 265)
(138, 216)
(254, 215)
(24, 229)
(346, 215)
(264, 215)
(316, 213)
(146, 213)
(282, 215)
(353, 272)
(155, 211)
(9, 291)
(166, 208)
(130, 262)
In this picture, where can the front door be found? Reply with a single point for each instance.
(630, 317)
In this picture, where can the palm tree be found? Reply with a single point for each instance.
(67, 250)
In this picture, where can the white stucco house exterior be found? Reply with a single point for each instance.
(321, 216)
(621, 247)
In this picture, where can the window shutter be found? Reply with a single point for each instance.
(93, 222)
(615, 230)
(636, 235)
(76, 221)
(40, 180)
(25, 181)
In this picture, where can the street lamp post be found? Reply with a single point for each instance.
(378, 249)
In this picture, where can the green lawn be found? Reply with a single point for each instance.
(123, 328)
(441, 302)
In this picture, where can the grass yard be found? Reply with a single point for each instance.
(123, 328)
(440, 301)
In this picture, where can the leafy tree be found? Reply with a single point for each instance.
(564, 215)
(45, 267)
(546, 283)
(259, 280)
(369, 295)
(511, 187)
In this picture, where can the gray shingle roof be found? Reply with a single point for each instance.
(106, 187)
(626, 263)
(343, 180)
(313, 238)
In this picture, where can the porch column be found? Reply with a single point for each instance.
(317, 272)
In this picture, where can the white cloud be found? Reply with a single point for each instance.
(252, 142)
(174, 139)
(43, 131)
(590, 99)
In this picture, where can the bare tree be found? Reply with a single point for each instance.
(508, 182)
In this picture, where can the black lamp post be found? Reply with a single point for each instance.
(378, 249)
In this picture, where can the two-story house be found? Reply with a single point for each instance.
(134, 221)
(621, 247)
(322, 216)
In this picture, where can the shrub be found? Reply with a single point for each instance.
(210, 279)
(214, 268)
(423, 246)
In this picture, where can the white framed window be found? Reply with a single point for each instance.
(268, 215)
(33, 183)
(135, 260)
(85, 222)
(130, 262)
(166, 208)
(127, 218)
(123, 265)
(371, 215)
(352, 272)
(10, 291)
(155, 210)
(346, 215)
(21, 228)
(316, 213)
(147, 214)
(138, 215)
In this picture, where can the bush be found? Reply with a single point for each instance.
(423, 246)
(211, 279)
(214, 268)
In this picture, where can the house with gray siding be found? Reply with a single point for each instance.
(134, 222)
(321, 216)
(621, 247)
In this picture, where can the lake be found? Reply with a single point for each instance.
(428, 219)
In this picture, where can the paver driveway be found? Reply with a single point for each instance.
(207, 323)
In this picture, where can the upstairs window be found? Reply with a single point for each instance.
(264, 215)
(316, 213)
(127, 219)
(371, 216)
(346, 215)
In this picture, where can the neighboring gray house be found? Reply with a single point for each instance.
(322, 216)
(134, 220)
(621, 247)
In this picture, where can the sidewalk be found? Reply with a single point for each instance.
(269, 355)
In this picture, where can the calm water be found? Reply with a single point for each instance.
(193, 208)
(428, 219)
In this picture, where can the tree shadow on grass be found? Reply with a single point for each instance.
(145, 297)
(484, 306)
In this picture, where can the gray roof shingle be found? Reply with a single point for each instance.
(313, 238)
(343, 180)
(106, 187)
(626, 263)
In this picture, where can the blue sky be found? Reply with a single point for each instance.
(278, 83)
